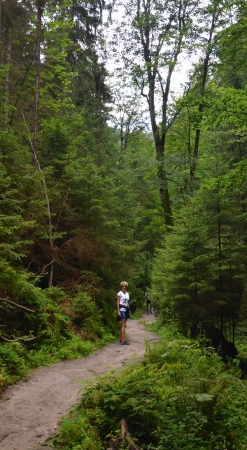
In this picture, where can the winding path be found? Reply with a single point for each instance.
(31, 410)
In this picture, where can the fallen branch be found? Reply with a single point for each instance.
(16, 304)
(124, 441)
(21, 338)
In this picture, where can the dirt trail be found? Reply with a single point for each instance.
(30, 411)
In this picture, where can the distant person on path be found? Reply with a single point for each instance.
(123, 310)
(148, 303)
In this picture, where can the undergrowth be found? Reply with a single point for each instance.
(181, 396)
(16, 359)
(54, 327)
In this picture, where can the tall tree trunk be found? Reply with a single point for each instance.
(37, 82)
(35, 137)
(1, 8)
(159, 136)
(7, 61)
(154, 59)
(160, 140)
(220, 264)
(163, 185)
(193, 164)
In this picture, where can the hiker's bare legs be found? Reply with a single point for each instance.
(122, 331)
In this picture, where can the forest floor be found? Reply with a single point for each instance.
(31, 410)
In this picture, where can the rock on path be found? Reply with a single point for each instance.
(30, 411)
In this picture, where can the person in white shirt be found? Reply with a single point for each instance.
(123, 310)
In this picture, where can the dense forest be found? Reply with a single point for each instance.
(80, 207)
(123, 155)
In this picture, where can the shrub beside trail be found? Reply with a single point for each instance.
(181, 396)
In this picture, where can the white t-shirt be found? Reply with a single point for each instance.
(124, 299)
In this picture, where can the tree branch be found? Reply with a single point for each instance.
(50, 227)
(37, 278)
(21, 338)
(16, 304)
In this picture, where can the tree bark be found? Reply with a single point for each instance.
(34, 142)
(7, 61)
(159, 141)
(124, 441)
(1, 8)
(202, 94)
(153, 60)
(50, 226)
(37, 83)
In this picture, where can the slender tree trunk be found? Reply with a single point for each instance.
(163, 189)
(159, 137)
(7, 61)
(152, 56)
(244, 195)
(160, 152)
(195, 267)
(37, 83)
(200, 108)
(35, 137)
(1, 56)
(1, 8)
(121, 135)
(71, 11)
(220, 265)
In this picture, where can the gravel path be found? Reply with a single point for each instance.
(31, 410)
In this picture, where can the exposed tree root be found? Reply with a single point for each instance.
(124, 441)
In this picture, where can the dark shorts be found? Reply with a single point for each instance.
(124, 315)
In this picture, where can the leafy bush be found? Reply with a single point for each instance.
(13, 363)
(16, 359)
(179, 397)
(41, 322)
(86, 315)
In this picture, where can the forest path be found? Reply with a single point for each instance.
(31, 410)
